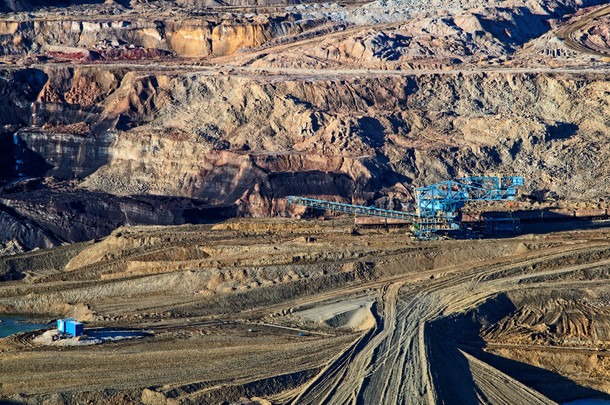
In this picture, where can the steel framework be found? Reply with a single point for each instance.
(438, 205)
(443, 200)
(352, 209)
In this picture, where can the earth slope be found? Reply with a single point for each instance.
(221, 115)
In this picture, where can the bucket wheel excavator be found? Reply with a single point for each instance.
(438, 205)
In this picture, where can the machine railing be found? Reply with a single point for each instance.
(445, 199)
(352, 209)
(421, 225)
(438, 205)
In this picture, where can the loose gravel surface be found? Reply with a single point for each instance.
(243, 327)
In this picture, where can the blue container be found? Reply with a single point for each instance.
(70, 326)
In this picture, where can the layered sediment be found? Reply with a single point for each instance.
(248, 136)
(123, 113)
(250, 142)
(89, 39)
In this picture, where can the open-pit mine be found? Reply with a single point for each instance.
(179, 176)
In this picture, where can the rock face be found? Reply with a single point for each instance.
(249, 143)
(186, 37)
(256, 118)
(377, 132)
(45, 214)
(66, 156)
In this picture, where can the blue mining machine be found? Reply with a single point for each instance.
(438, 206)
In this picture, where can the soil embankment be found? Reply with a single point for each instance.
(361, 140)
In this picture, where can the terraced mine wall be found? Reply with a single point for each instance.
(35, 215)
(247, 143)
(194, 37)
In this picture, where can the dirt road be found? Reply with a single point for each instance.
(215, 330)
(568, 32)
(401, 362)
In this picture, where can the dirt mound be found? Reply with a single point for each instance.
(353, 315)
(326, 308)
(556, 321)
(268, 226)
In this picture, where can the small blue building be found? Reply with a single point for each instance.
(70, 326)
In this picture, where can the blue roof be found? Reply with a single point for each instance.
(69, 320)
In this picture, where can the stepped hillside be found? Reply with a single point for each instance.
(110, 117)
(241, 145)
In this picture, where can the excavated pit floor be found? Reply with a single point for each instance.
(307, 312)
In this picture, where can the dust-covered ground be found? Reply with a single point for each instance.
(181, 114)
(312, 312)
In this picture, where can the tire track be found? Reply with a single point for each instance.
(341, 379)
(399, 361)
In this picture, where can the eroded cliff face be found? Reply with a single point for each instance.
(45, 213)
(188, 37)
(247, 143)
(387, 131)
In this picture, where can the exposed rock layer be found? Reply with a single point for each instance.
(248, 139)
(228, 140)
(193, 37)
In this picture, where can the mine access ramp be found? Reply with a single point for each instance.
(438, 205)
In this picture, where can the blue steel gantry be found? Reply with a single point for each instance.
(438, 205)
